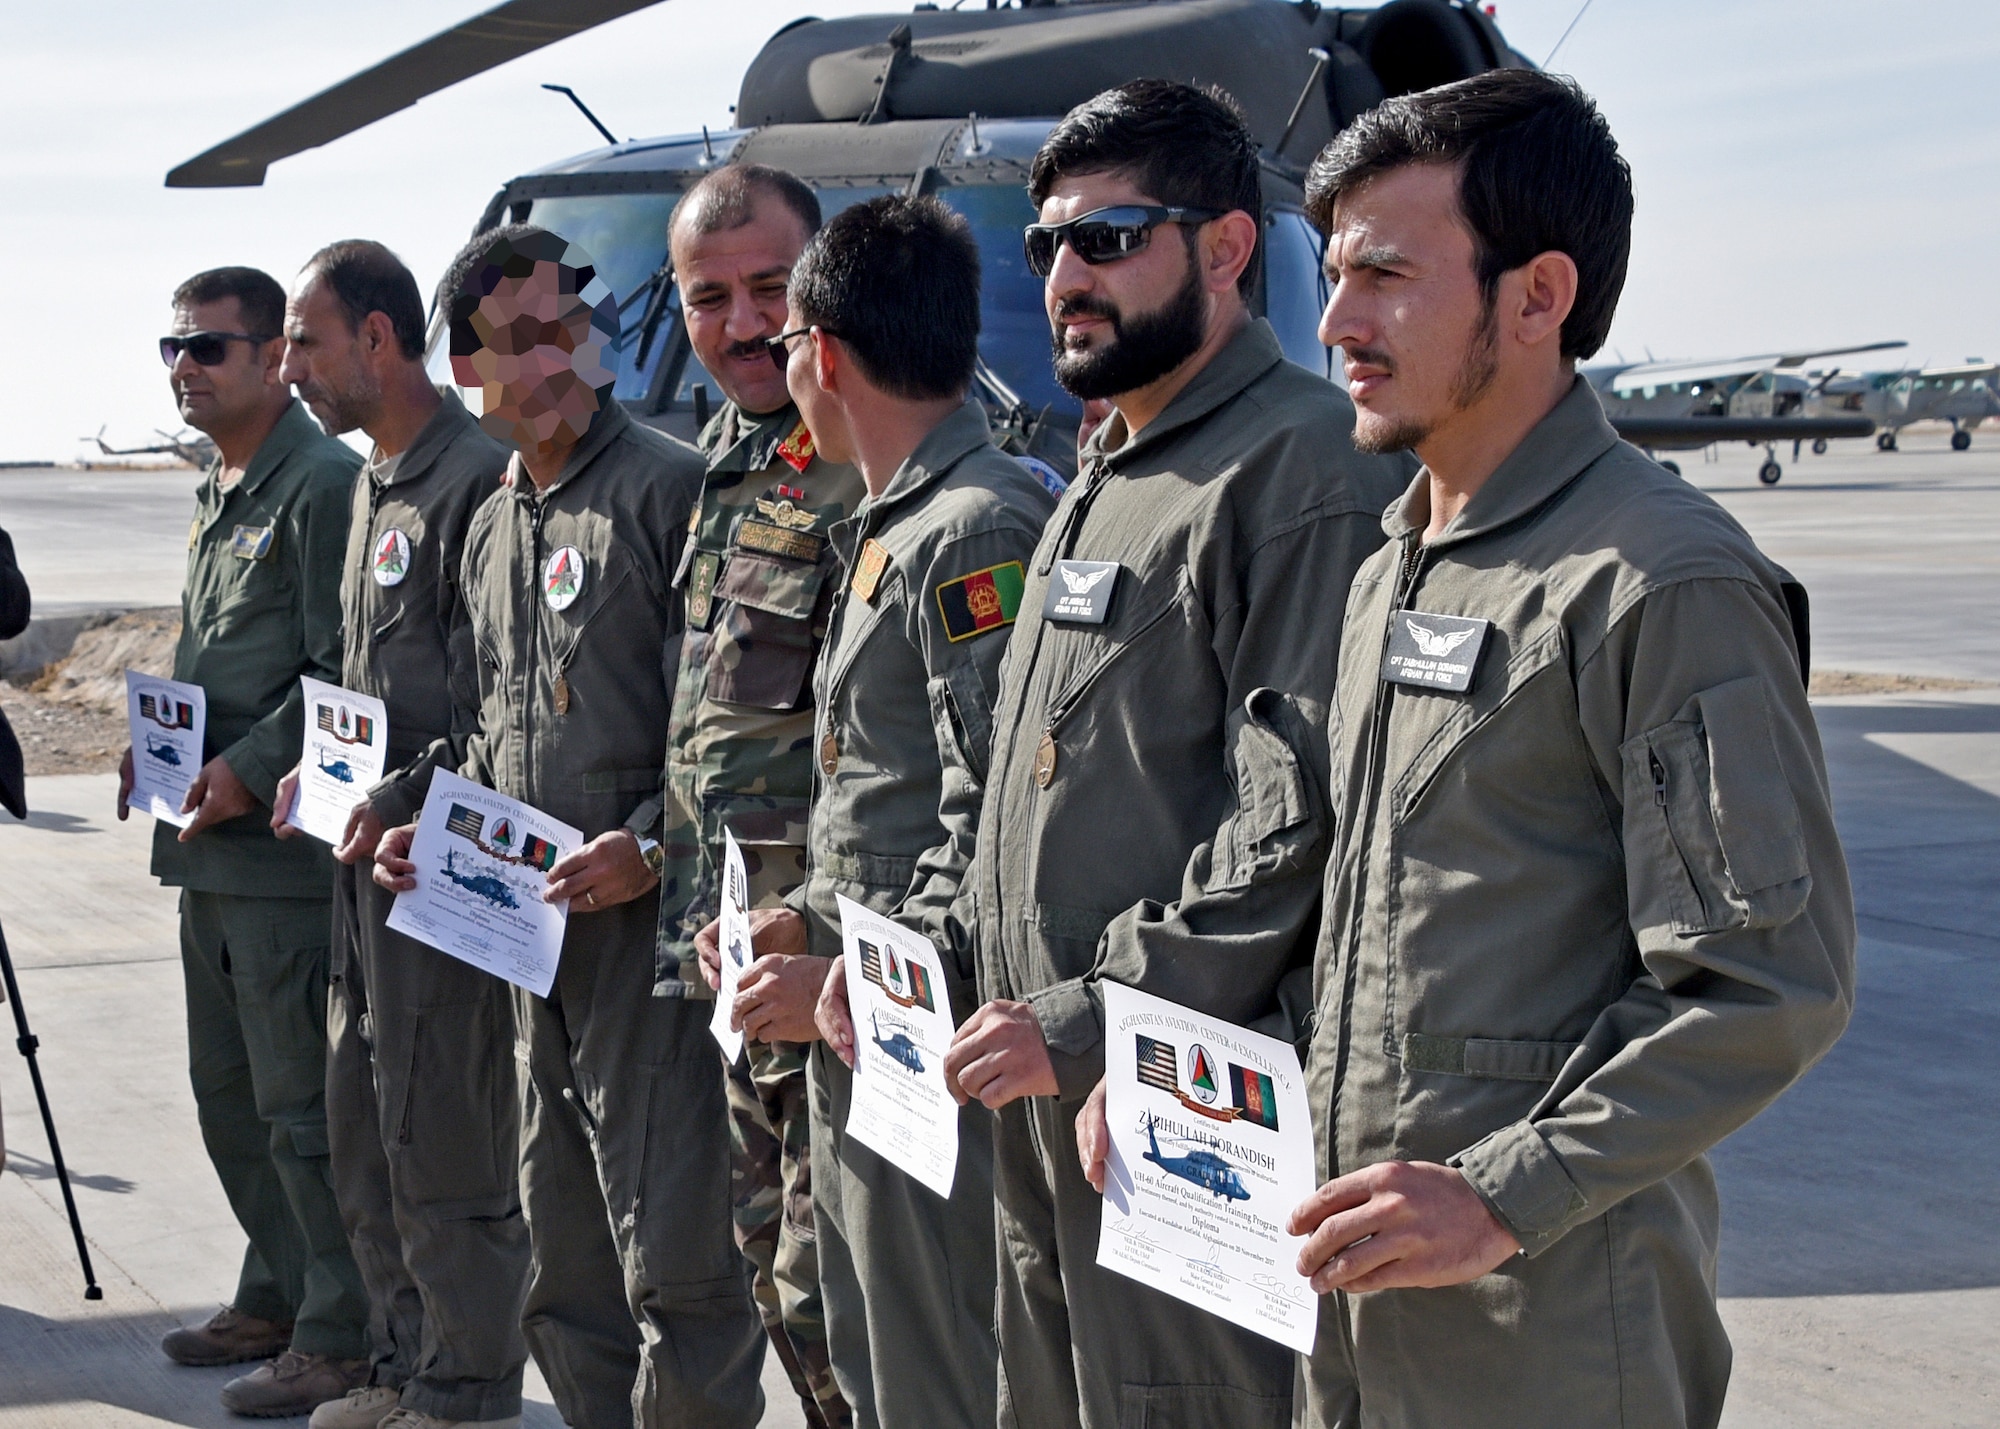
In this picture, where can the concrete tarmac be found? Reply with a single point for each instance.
(1860, 1270)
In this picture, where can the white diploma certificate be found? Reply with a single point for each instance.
(346, 750)
(1211, 1148)
(902, 1027)
(167, 719)
(482, 862)
(735, 939)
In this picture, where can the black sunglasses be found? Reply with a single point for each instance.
(780, 347)
(1103, 235)
(209, 349)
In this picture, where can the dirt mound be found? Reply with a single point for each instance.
(93, 673)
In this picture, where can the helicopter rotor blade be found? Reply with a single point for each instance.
(488, 39)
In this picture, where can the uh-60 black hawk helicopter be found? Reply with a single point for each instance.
(952, 103)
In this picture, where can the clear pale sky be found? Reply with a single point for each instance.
(1807, 173)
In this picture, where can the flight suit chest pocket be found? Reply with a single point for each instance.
(1713, 840)
(766, 626)
(245, 572)
(598, 582)
(1279, 818)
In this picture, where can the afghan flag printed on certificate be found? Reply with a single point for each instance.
(985, 600)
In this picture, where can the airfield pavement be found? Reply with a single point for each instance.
(1860, 1270)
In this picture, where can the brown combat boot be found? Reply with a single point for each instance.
(292, 1384)
(229, 1337)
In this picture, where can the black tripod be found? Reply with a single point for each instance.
(27, 1042)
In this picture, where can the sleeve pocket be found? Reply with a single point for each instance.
(1712, 831)
(1277, 820)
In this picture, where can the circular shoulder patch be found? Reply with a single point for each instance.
(392, 558)
(1052, 480)
(563, 577)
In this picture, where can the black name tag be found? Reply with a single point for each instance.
(1433, 652)
(1081, 592)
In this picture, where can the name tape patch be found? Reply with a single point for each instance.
(1081, 592)
(775, 540)
(250, 543)
(1434, 652)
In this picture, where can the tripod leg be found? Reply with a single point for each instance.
(26, 1043)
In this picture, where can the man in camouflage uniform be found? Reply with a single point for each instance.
(757, 580)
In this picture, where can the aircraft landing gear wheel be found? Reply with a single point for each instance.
(1769, 472)
(1885, 441)
(1819, 446)
(1961, 441)
(1672, 466)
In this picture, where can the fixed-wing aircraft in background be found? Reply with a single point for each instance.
(1760, 399)
(1964, 395)
(193, 448)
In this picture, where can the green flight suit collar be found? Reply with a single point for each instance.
(1249, 355)
(738, 441)
(293, 428)
(438, 433)
(1572, 436)
(607, 425)
(947, 444)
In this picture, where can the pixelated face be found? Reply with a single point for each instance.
(213, 399)
(543, 366)
(1415, 332)
(732, 286)
(1119, 326)
(324, 360)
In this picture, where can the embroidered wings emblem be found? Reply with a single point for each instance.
(1084, 585)
(1435, 645)
(784, 513)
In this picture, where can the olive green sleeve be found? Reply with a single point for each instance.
(1245, 915)
(317, 543)
(1738, 903)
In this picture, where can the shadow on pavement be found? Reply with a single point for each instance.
(1880, 1171)
(36, 1169)
(112, 1360)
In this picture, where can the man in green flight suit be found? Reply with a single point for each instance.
(883, 338)
(1586, 912)
(261, 608)
(757, 579)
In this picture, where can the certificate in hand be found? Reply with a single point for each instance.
(1211, 1148)
(902, 1026)
(346, 750)
(167, 718)
(482, 861)
(735, 938)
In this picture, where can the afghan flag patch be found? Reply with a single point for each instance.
(982, 601)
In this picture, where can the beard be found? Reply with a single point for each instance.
(1141, 351)
(342, 409)
(1379, 436)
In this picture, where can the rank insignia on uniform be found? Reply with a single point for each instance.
(562, 577)
(797, 449)
(250, 543)
(1081, 592)
(392, 558)
(194, 532)
(775, 540)
(868, 569)
(982, 601)
(1433, 652)
(701, 588)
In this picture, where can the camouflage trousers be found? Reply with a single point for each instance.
(770, 1130)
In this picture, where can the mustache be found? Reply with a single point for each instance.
(1371, 357)
(1087, 305)
(745, 351)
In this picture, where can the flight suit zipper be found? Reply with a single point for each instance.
(537, 513)
(1409, 574)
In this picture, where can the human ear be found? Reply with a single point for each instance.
(826, 362)
(1226, 247)
(1543, 290)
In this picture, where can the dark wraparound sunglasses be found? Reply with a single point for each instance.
(780, 347)
(209, 349)
(1103, 235)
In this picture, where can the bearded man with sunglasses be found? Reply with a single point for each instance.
(261, 607)
(1155, 811)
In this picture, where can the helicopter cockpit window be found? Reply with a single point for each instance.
(1014, 323)
(1295, 288)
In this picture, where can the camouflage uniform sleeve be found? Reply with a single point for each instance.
(963, 669)
(1243, 921)
(318, 544)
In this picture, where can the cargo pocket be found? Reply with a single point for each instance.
(1712, 831)
(767, 650)
(451, 1130)
(1278, 820)
(962, 717)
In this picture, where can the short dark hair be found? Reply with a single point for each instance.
(1178, 145)
(365, 277)
(257, 294)
(511, 251)
(897, 280)
(1538, 172)
(727, 198)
